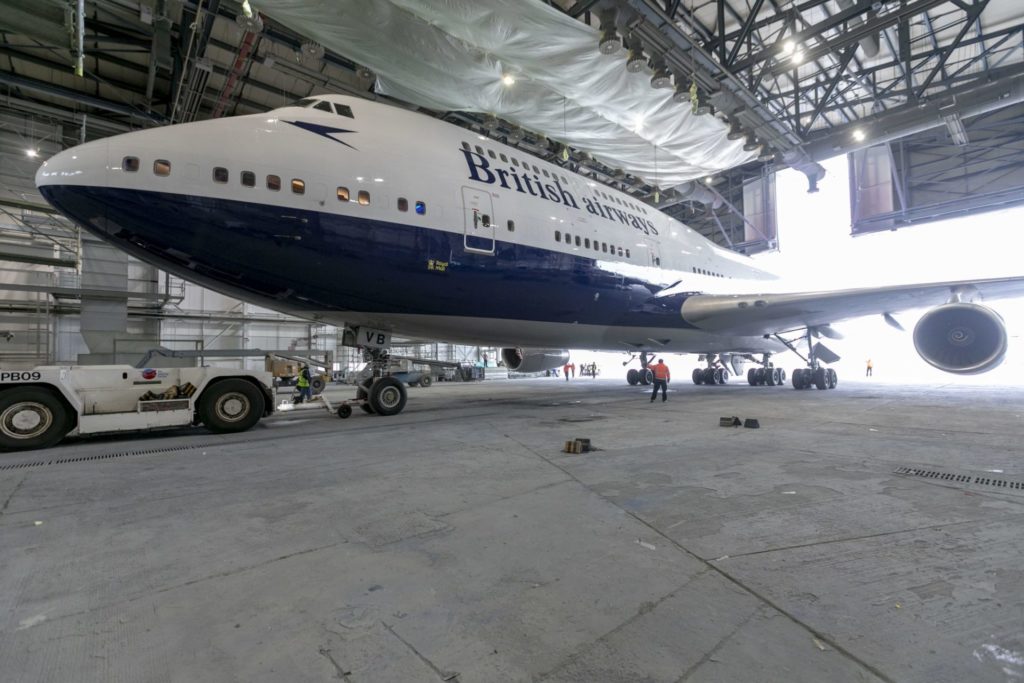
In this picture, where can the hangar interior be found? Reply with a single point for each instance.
(925, 97)
(871, 539)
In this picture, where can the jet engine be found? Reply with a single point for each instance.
(962, 338)
(534, 360)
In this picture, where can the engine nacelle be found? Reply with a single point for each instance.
(962, 338)
(534, 360)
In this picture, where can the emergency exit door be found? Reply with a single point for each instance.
(478, 221)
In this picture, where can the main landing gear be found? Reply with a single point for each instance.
(642, 376)
(767, 374)
(814, 375)
(714, 373)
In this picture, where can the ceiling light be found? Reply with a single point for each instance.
(798, 57)
(312, 50)
(610, 42)
(378, 180)
(31, 153)
(508, 79)
(736, 132)
(708, 180)
(859, 135)
(662, 77)
(682, 93)
(636, 61)
(787, 47)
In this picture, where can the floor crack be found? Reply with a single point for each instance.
(342, 673)
(443, 675)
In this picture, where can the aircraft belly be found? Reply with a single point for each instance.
(416, 280)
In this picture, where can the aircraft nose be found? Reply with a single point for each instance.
(81, 165)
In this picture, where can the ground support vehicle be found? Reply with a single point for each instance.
(41, 406)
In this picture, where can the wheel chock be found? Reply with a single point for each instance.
(729, 421)
(577, 446)
(751, 423)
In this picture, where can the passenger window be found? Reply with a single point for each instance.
(604, 247)
(162, 167)
(130, 164)
(421, 208)
(586, 243)
(343, 194)
(511, 226)
(298, 186)
(364, 197)
(577, 240)
(273, 182)
(536, 170)
(344, 110)
(515, 162)
(479, 150)
(620, 251)
(220, 174)
(568, 238)
(558, 235)
(324, 106)
(491, 154)
(248, 178)
(403, 204)
(546, 175)
(465, 146)
(504, 158)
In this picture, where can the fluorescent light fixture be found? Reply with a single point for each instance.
(481, 137)
(508, 79)
(708, 180)
(31, 153)
(859, 135)
(787, 47)
(798, 57)
(359, 178)
(378, 180)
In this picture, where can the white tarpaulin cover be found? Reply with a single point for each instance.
(452, 54)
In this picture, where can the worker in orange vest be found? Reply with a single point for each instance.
(661, 377)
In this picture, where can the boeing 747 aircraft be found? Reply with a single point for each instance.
(356, 213)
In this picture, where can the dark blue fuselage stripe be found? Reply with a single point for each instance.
(314, 261)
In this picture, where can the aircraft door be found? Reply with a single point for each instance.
(653, 253)
(478, 220)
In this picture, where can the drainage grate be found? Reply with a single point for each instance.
(979, 479)
(107, 456)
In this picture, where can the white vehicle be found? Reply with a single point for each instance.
(347, 211)
(41, 406)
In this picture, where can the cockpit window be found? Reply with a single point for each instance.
(305, 102)
(324, 106)
(343, 110)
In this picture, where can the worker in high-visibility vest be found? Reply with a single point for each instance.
(305, 392)
(661, 377)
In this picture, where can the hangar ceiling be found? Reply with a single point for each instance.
(793, 82)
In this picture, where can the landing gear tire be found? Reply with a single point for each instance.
(387, 396)
(777, 377)
(752, 377)
(633, 377)
(782, 377)
(344, 412)
(798, 379)
(363, 394)
(821, 378)
(832, 377)
(646, 376)
(698, 376)
(231, 405)
(721, 376)
(769, 377)
(32, 417)
(759, 376)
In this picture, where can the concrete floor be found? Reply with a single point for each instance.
(455, 542)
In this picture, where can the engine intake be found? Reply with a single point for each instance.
(962, 338)
(534, 360)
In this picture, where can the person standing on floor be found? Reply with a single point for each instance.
(661, 378)
(871, 366)
(565, 369)
(305, 391)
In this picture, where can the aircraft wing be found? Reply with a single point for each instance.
(757, 314)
